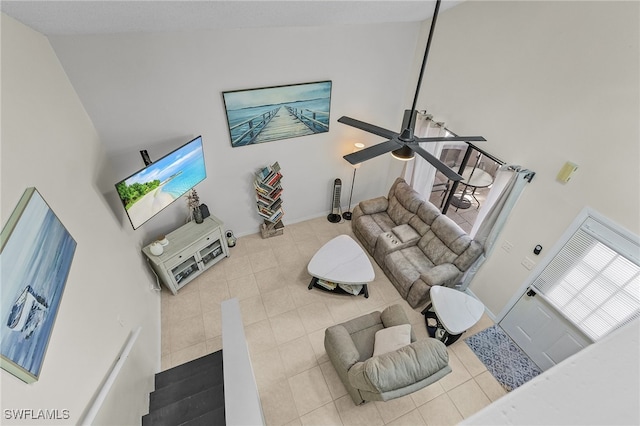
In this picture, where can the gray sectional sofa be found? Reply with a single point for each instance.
(416, 246)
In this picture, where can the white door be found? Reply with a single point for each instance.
(543, 334)
(588, 287)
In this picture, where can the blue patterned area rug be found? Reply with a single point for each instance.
(502, 357)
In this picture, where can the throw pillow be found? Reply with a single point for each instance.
(391, 339)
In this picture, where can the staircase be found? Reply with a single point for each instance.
(189, 394)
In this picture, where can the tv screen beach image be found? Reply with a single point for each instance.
(150, 190)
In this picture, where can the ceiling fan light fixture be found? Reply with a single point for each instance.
(403, 154)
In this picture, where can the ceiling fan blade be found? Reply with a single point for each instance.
(406, 120)
(450, 174)
(372, 151)
(452, 139)
(367, 127)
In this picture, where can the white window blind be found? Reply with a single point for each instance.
(594, 281)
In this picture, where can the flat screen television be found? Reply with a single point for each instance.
(149, 190)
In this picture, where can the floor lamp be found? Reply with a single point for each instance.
(357, 147)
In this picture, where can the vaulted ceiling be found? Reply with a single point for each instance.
(55, 17)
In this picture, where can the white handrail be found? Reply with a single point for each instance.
(106, 387)
(241, 399)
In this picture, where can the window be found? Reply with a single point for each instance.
(594, 281)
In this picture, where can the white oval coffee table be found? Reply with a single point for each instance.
(341, 261)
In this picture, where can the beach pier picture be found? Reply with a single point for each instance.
(153, 188)
(267, 114)
(35, 261)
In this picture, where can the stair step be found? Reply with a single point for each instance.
(208, 376)
(190, 368)
(186, 409)
(212, 418)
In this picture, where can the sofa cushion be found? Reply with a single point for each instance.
(362, 331)
(372, 225)
(398, 213)
(391, 339)
(444, 241)
(404, 202)
(406, 265)
(425, 216)
(407, 196)
(405, 233)
(435, 250)
(451, 234)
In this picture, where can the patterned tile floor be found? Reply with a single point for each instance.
(284, 324)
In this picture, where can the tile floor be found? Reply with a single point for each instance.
(284, 324)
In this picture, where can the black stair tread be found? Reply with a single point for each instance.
(190, 368)
(212, 418)
(186, 409)
(208, 376)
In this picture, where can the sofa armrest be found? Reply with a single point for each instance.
(395, 315)
(340, 347)
(440, 274)
(389, 241)
(374, 205)
(401, 368)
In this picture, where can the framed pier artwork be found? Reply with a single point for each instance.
(36, 252)
(280, 112)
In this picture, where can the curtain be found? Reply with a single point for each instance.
(419, 173)
(507, 187)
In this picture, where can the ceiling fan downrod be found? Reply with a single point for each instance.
(405, 153)
(424, 64)
(404, 145)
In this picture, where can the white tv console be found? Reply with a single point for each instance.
(192, 249)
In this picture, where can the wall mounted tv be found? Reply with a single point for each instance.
(148, 191)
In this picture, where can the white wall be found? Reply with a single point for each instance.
(598, 387)
(544, 82)
(156, 91)
(49, 142)
(547, 82)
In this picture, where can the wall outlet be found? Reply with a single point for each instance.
(528, 263)
(507, 246)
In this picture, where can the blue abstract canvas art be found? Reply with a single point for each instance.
(35, 261)
(271, 113)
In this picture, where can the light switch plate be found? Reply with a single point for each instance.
(528, 263)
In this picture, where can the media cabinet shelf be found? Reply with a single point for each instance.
(193, 248)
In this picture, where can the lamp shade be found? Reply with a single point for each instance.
(357, 147)
(405, 153)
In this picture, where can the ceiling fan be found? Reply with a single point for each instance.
(403, 145)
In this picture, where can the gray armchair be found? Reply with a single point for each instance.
(350, 347)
